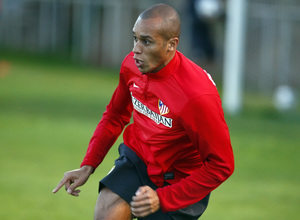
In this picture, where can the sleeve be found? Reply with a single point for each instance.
(114, 119)
(203, 119)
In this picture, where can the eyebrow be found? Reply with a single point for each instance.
(145, 36)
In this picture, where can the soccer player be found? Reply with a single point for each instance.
(177, 150)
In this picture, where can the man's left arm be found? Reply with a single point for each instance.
(203, 119)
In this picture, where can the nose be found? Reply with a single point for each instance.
(136, 47)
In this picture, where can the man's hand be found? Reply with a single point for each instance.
(145, 202)
(74, 179)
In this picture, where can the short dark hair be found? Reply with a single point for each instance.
(169, 16)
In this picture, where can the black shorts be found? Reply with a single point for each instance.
(130, 172)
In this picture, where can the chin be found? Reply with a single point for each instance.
(144, 70)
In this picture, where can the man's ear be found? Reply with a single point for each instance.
(173, 43)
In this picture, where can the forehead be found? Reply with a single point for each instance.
(148, 27)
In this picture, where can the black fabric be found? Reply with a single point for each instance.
(129, 173)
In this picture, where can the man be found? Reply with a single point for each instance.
(177, 150)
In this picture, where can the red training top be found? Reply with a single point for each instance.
(178, 127)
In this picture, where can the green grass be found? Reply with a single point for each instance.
(49, 110)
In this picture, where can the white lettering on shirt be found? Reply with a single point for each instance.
(157, 118)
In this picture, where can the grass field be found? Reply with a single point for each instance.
(48, 112)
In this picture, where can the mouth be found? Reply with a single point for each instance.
(138, 63)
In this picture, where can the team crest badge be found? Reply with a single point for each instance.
(163, 109)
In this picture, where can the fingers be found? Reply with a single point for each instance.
(144, 202)
(70, 183)
(75, 192)
(60, 184)
(67, 185)
(141, 190)
(71, 188)
(142, 211)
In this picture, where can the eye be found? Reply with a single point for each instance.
(146, 42)
(134, 38)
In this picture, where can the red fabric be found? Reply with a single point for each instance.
(188, 136)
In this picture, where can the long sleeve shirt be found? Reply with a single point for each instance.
(178, 128)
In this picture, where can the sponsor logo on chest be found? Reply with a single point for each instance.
(157, 118)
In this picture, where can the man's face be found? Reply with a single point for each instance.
(150, 48)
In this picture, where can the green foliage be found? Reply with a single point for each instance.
(48, 112)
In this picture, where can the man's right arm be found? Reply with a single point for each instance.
(115, 118)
